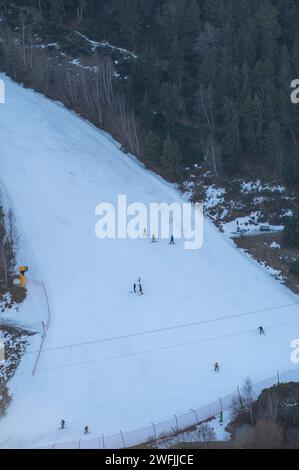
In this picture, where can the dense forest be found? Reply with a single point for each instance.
(210, 79)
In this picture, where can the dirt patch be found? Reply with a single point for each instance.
(12, 297)
(271, 250)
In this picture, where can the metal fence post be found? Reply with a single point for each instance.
(221, 412)
(155, 431)
(122, 436)
(177, 423)
(221, 407)
(197, 420)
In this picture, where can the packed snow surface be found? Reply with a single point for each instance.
(114, 360)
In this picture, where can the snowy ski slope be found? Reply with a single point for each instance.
(102, 364)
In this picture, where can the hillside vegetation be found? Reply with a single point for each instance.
(176, 81)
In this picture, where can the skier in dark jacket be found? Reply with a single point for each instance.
(86, 430)
(171, 240)
(134, 287)
(62, 424)
(140, 289)
(261, 330)
(216, 367)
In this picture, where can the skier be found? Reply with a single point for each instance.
(62, 424)
(238, 226)
(140, 289)
(86, 430)
(261, 330)
(216, 367)
(171, 240)
(154, 240)
(134, 287)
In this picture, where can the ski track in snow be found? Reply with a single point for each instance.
(55, 169)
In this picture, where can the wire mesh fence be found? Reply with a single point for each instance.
(171, 427)
(48, 317)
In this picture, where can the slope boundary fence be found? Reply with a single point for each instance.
(46, 323)
(175, 425)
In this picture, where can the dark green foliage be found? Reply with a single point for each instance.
(171, 158)
(152, 149)
(214, 11)
(291, 170)
(291, 230)
(130, 21)
(294, 268)
(244, 53)
(145, 77)
(169, 103)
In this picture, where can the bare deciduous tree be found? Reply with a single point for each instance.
(12, 234)
(205, 99)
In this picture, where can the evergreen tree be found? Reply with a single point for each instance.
(273, 148)
(291, 230)
(130, 21)
(217, 68)
(152, 148)
(169, 104)
(171, 158)
(176, 62)
(268, 28)
(214, 11)
(232, 149)
(145, 77)
(145, 112)
(150, 71)
(284, 80)
(188, 23)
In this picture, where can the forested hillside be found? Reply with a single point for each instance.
(200, 80)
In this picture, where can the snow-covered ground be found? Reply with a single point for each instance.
(257, 186)
(95, 45)
(113, 360)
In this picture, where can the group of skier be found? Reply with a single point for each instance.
(137, 287)
(215, 366)
(62, 426)
(155, 240)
